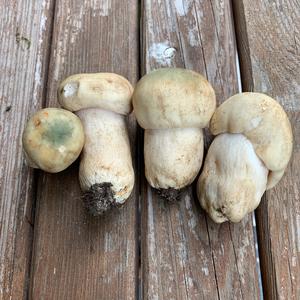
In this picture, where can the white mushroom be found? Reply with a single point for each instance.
(173, 105)
(101, 101)
(249, 155)
(52, 139)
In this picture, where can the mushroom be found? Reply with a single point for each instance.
(249, 155)
(102, 101)
(173, 105)
(52, 139)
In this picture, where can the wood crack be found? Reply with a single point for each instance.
(212, 257)
(236, 261)
(199, 30)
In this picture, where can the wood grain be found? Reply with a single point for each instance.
(269, 44)
(77, 256)
(184, 254)
(24, 47)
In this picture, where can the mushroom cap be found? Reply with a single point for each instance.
(264, 122)
(173, 98)
(107, 91)
(53, 139)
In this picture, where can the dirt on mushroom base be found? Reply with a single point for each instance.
(99, 199)
(172, 195)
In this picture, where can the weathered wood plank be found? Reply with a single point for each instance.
(269, 44)
(77, 256)
(184, 254)
(24, 47)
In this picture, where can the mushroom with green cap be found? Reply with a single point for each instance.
(249, 155)
(102, 100)
(173, 105)
(53, 139)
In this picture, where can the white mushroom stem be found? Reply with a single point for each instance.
(173, 157)
(233, 178)
(106, 174)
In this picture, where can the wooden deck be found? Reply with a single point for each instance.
(149, 249)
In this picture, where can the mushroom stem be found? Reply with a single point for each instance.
(173, 158)
(233, 179)
(106, 175)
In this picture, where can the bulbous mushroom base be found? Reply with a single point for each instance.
(233, 179)
(170, 194)
(99, 199)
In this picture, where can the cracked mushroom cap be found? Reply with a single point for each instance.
(53, 139)
(107, 91)
(173, 98)
(264, 122)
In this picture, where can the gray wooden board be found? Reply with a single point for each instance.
(269, 42)
(76, 256)
(24, 47)
(184, 254)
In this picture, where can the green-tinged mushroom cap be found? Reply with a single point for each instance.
(53, 139)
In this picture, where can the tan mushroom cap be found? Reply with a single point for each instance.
(173, 98)
(264, 122)
(107, 91)
(53, 139)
